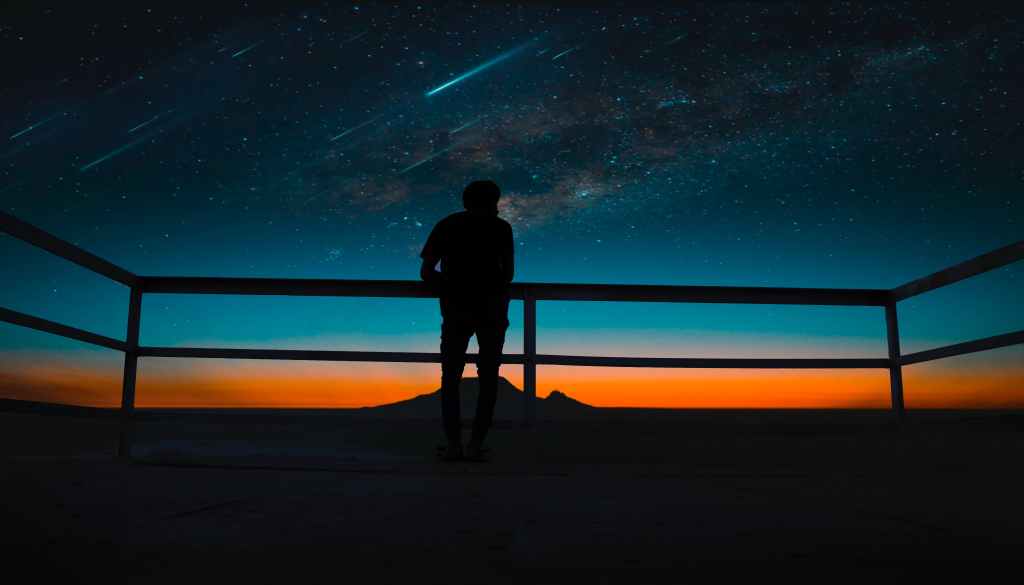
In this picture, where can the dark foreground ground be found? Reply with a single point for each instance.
(630, 497)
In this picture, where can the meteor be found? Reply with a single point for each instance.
(357, 127)
(246, 50)
(34, 126)
(151, 120)
(112, 154)
(355, 37)
(469, 124)
(564, 53)
(478, 69)
(429, 158)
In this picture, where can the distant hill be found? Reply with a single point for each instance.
(508, 406)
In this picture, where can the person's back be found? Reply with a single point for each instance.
(475, 249)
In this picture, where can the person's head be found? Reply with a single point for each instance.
(481, 196)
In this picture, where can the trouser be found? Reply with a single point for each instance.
(487, 317)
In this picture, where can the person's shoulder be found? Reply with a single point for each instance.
(456, 217)
(451, 218)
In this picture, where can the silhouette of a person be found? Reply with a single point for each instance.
(475, 249)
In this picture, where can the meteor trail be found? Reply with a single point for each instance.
(355, 38)
(479, 68)
(151, 120)
(357, 127)
(34, 126)
(564, 53)
(429, 158)
(112, 154)
(469, 124)
(246, 50)
(675, 40)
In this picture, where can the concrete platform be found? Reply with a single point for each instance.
(630, 496)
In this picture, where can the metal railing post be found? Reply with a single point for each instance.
(131, 359)
(895, 367)
(529, 358)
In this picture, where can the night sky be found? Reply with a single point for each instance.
(775, 144)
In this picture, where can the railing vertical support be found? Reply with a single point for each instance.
(529, 358)
(131, 359)
(895, 367)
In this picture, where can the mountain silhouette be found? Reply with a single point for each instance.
(509, 404)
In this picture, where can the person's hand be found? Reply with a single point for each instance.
(430, 276)
(433, 279)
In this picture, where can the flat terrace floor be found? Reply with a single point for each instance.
(624, 496)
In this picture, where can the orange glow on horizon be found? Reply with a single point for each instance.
(269, 384)
(715, 388)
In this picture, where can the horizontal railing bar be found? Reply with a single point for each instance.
(539, 290)
(706, 294)
(973, 267)
(658, 362)
(993, 342)
(517, 358)
(306, 354)
(30, 234)
(40, 324)
(286, 286)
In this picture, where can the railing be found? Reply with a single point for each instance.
(529, 293)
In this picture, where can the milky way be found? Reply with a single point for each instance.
(761, 144)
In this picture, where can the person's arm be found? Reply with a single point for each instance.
(431, 254)
(427, 272)
(508, 261)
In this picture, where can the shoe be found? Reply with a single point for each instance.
(451, 452)
(476, 452)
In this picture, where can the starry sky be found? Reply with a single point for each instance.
(765, 144)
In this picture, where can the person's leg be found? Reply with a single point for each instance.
(490, 336)
(455, 336)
